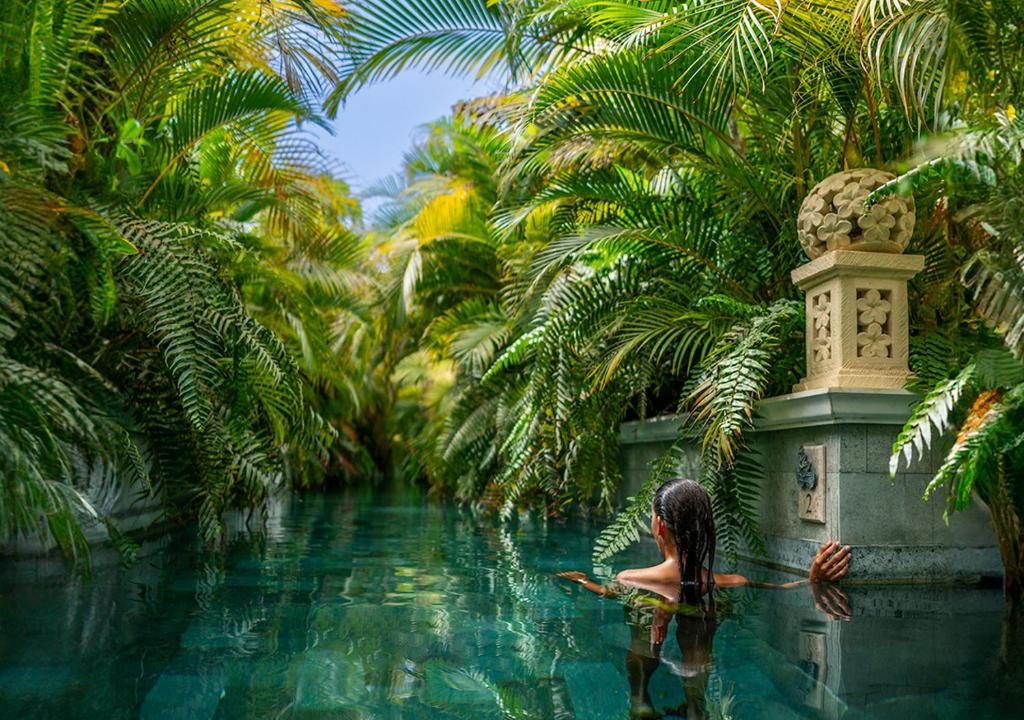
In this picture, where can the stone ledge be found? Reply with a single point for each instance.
(45, 563)
(664, 428)
(867, 264)
(889, 564)
(810, 408)
(832, 406)
(143, 517)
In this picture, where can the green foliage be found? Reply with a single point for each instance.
(625, 230)
(632, 520)
(734, 491)
(998, 285)
(469, 37)
(974, 247)
(143, 145)
(609, 240)
(736, 373)
(932, 417)
(919, 48)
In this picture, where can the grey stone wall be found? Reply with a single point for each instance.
(896, 536)
(133, 509)
(863, 668)
(640, 444)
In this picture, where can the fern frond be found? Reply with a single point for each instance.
(998, 285)
(626, 528)
(931, 419)
(736, 375)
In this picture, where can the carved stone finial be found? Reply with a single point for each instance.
(832, 216)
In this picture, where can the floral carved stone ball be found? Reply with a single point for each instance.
(833, 216)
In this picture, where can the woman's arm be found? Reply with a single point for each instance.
(582, 579)
(829, 565)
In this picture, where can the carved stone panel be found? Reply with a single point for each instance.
(857, 320)
(874, 326)
(821, 325)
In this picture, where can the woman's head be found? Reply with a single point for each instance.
(682, 522)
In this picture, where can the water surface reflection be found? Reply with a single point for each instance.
(370, 607)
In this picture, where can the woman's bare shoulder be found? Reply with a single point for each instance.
(648, 574)
(655, 579)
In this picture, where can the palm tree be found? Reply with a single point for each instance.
(144, 144)
(956, 69)
(973, 377)
(655, 165)
(441, 304)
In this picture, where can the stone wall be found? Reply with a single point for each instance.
(640, 444)
(133, 509)
(846, 661)
(896, 536)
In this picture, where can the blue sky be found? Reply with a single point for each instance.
(379, 123)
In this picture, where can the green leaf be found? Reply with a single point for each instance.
(130, 157)
(129, 131)
(931, 419)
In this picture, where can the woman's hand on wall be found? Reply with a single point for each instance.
(831, 562)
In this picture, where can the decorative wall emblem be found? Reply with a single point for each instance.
(805, 474)
(874, 309)
(821, 314)
(833, 216)
(810, 476)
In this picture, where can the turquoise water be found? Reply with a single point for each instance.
(388, 607)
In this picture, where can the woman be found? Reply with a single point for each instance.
(684, 528)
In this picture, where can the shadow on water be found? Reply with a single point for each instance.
(364, 606)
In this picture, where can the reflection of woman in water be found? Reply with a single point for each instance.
(695, 634)
(683, 527)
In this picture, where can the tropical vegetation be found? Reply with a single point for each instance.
(176, 258)
(612, 236)
(188, 299)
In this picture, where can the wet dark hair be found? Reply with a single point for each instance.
(685, 508)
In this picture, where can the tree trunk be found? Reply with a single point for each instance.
(1006, 520)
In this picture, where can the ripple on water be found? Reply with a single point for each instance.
(349, 607)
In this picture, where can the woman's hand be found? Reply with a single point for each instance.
(581, 577)
(831, 562)
(574, 575)
(659, 627)
(830, 600)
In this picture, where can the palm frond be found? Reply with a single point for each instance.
(998, 285)
(465, 37)
(736, 375)
(922, 46)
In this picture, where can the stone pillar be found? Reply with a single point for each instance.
(857, 328)
(856, 283)
(825, 448)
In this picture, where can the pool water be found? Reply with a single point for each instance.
(386, 606)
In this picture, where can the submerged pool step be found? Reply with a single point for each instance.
(598, 690)
(184, 697)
